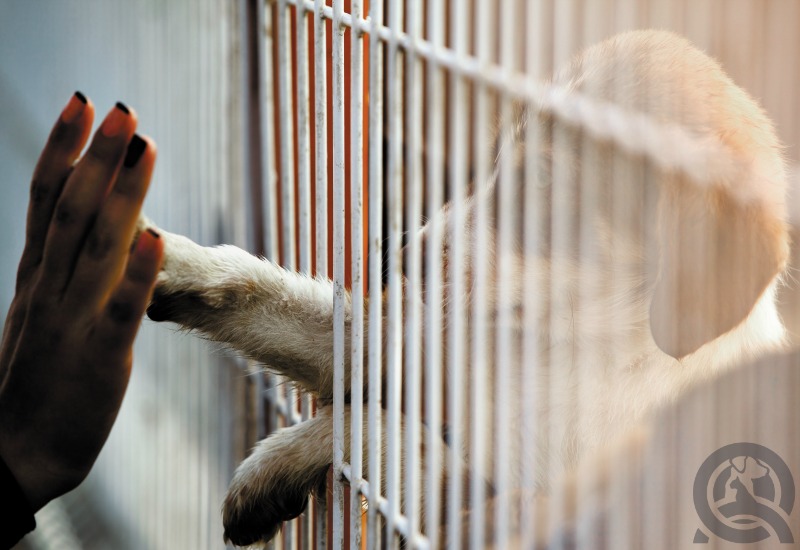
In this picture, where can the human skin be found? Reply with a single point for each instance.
(81, 292)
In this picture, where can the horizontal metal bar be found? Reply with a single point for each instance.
(401, 523)
(670, 146)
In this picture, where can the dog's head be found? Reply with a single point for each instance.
(722, 238)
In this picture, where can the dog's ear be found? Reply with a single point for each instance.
(717, 257)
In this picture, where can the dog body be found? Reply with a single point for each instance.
(641, 283)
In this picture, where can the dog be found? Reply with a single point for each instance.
(645, 281)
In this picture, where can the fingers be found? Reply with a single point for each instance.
(102, 257)
(82, 195)
(123, 312)
(67, 139)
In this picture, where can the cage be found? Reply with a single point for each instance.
(410, 105)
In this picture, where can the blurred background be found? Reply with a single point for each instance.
(160, 480)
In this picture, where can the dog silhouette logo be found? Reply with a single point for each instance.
(744, 493)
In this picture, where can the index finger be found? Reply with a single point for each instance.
(67, 138)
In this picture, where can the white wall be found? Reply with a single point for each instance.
(160, 480)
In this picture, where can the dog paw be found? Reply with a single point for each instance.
(194, 281)
(258, 502)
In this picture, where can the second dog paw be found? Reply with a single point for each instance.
(257, 504)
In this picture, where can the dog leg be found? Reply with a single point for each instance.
(274, 483)
(280, 318)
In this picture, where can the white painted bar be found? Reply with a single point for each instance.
(479, 381)
(357, 270)
(506, 387)
(303, 140)
(375, 343)
(338, 273)
(433, 279)
(266, 382)
(321, 139)
(286, 136)
(304, 202)
(534, 205)
(413, 294)
(457, 114)
(394, 301)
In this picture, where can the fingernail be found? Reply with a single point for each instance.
(135, 243)
(135, 150)
(115, 119)
(74, 108)
(146, 242)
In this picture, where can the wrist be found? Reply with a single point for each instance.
(38, 481)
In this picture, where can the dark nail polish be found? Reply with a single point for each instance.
(135, 150)
(122, 107)
(81, 97)
(153, 232)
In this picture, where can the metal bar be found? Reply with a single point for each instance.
(433, 290)
(533, 191)
(321, 139)
(304, 200)
(303, 140)
(321, 194)
(506, 358)
(563, 230)
(478, 380)
(339, 294)
(357, 270)
(375, 343)
(413, 297)
(394, 320)
(286, 139)
(287, 180)
(269, 175)
(455, 335)
(362, 487)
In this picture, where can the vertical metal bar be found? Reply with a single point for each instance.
(269, 173)
(563, 237)
(624, 177)
(394, 342)
(375, 357)
(321, 196)
(321, 138)
(287, 201)
(533, 214)
(304, 197)
(593, 271)
(433, 290)
(479, 382)
(286, 141)
(506, 358)
(413, 305)
(357, 287)
(303, 140)
(339, 295)
(269, 178)
(455, 335)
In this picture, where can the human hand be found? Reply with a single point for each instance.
(81, 292)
